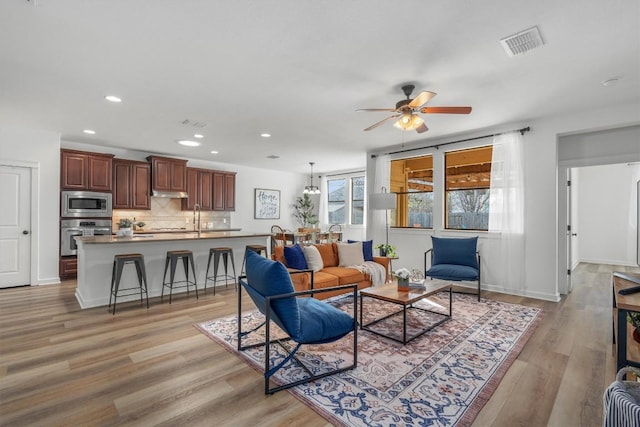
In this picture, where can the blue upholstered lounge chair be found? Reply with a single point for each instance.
(454, 259)
(304, 320)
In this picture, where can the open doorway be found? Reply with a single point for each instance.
(608, 148)
(603, 215)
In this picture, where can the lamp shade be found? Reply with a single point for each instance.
(382, 201)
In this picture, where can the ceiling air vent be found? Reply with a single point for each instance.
(192, 123)
(522, 42)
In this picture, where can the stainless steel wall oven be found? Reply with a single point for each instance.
(70, 228)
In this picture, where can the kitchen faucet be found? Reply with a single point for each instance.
(196, 207)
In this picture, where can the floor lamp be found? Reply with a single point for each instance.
(383, 201)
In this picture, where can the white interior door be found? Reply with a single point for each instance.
(15, 226)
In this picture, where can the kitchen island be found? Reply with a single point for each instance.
(95, 260)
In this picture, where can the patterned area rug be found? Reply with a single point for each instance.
(441, 378)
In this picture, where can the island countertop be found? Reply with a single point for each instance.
(160, 237)
(96, 255)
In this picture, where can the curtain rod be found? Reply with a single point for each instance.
(437, 146)
(344, 173)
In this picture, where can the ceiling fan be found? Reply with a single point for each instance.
(406, 111)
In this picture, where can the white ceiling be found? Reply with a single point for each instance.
(300, 69)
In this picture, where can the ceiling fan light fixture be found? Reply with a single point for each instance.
(408, 122)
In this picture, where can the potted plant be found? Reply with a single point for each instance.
(140, 225)
(125, 225)
(386, 249)
(402, 274)
(634, 319)
(304, 213)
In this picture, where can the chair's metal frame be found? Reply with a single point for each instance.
(270, 371)
(458, 280)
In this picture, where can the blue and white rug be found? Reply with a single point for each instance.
(442, 378)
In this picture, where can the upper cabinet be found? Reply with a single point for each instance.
(199, 189)
(224, 191)
(168, 175)
(82, 170)
(131, 184)
(212, 190)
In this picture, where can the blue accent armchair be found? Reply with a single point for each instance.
(304, 320)
(454, 259)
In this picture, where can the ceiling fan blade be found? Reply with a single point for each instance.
(422, 128)
(422, 98)
(381, 122)
(446, 110)
(360, 110)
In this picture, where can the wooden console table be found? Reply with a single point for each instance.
(627, 350)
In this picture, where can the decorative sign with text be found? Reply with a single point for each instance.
(267, 204)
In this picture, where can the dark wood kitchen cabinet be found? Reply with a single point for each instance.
(84, 171)
(168, 174)
(224, 191)
(199, 188)
(131, 184)
(68, 268)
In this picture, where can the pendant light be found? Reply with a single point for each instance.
(311, 189)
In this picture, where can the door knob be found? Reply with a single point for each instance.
(574, 234)
(25, 232)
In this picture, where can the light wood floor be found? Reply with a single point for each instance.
(60, 365)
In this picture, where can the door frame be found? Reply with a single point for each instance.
(588, 152)
(34, 169)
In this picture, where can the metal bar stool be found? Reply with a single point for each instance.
(226, 253)
(259, 249)
(119, 261)
(172, 258)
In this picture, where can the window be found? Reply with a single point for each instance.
(412, 181)
(345, 197)
(467, 183)
(336, 193)
(357, 200)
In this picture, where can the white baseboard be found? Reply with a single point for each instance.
(626, 263)
(517, 292)
(49, 281)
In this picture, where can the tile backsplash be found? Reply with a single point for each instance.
(167, 213)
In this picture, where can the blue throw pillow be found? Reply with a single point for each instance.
(455, 251)
(367, 248)
(295, 257)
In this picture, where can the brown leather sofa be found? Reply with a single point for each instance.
(331, 274)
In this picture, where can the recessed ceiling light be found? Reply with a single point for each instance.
(89, 131)
(197, 135)
(188, 143)
(610, 82)
(265, 135)
(112, 98)
(214, 152)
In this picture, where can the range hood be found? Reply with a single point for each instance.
(170, 194)
(168, 177)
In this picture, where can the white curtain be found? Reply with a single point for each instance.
(323, 208)
(506, 209)
(381, 179)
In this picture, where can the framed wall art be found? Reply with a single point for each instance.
(267, 204)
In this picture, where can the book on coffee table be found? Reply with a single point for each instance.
(416, 284)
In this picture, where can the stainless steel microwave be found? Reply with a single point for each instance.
(85, 204)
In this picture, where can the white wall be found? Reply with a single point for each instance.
(39, 150)
(607, 206)
(542, 267)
